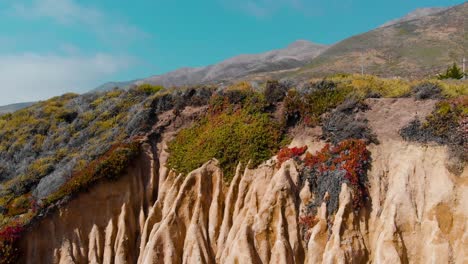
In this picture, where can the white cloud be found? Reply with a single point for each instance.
(64, 11)
(31, 77)
(69, 12)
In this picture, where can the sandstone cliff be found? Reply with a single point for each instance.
(416, 212)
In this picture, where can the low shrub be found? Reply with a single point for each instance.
(445, 125)
(275, 91)
(348, 161)
(231, 138)
(232, 100)
(310, 106)
(345, 123)
(452, 72)
(19, 205)
(148, 89)
(365, 85)
(427, 90)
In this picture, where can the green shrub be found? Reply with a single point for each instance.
(229, 137)
(453, 72)
(149, 89)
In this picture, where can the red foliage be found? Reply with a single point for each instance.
(11, 233)
(9, 252)
(349, 155)
(287, 153)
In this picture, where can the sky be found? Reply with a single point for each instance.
(50, 47)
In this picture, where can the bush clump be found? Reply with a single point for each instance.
(345, 123)
(149, 89)
(452, 72)
(446, 125)
(427, 90)
(230, 137)
(275, 91)
(312, 103)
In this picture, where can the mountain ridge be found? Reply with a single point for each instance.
(294, 55)
(417, 13)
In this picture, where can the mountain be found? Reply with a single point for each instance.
(416, 48)
(295, 55)
(14, 107)
(418, 13)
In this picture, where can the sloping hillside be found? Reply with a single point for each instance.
(414, 48)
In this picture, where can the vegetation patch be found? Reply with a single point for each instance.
(326, 171)
(9, 236)
(427, 90)
(309, 105)
(446, 125)
(230, 137)
(289, 153)
(110, 165)
(345, 122)
(149, 89)
(453, 72)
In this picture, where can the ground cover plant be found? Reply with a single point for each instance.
(236, 129)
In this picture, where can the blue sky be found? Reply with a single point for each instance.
(49, 47)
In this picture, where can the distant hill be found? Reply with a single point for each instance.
(111, 85)
(295, 55)
(416, 48)
(14, 107)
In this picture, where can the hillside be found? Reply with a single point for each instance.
(416, 48)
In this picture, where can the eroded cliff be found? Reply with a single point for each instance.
(414, 211)
(417, 213)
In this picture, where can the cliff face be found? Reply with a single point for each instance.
(416, 214)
